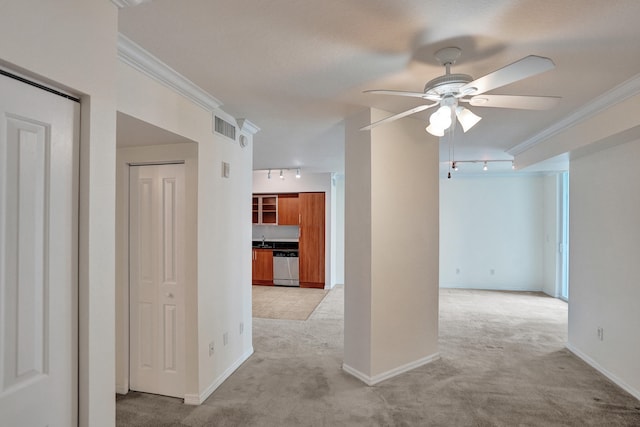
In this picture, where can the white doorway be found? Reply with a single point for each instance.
(157, 279)
(39, 136)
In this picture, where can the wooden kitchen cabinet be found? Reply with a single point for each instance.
(262, 267)
(288, 210)
(312, 239)
(264, 209)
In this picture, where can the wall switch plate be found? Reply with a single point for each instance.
(225, 338)
(211, 348)
(226, 169)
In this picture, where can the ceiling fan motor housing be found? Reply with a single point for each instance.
(449, 84)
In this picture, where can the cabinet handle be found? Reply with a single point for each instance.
(299, 219)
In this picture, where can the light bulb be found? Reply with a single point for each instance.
(513, 166)
(434, 130)
(441, 118)
(281, 175)
(298, 173)
(455, 166)
(484, 168)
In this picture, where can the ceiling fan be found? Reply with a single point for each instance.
(449, 90)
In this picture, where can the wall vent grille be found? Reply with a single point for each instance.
(225, 128)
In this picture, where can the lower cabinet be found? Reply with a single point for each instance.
(262, 267)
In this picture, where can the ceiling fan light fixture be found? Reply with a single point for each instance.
(466, 118)
(441, 118)
(434, 130)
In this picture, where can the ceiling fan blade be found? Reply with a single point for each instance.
(515, 101)
(399, 116)
(403, 93)
(526, 67)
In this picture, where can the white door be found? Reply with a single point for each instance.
(156, 251)
(38, 256)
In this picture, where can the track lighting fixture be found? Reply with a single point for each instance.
(455, 165)
(282, 170)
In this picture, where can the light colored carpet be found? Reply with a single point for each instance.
(503, 363)
(275, 302)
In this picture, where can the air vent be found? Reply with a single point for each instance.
(225, 128)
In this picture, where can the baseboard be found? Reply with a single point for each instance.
(197, 399)
(122, 388)
(491, 287)
(595, 365)
(373, 380)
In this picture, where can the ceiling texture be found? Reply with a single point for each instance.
(297, 68)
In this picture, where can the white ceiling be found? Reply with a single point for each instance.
(297, 68)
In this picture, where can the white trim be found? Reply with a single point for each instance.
(247, 126)
(614, 96)
(197, 399)
(135, 56)
(620, 383)
(368, 380)
(128, 3)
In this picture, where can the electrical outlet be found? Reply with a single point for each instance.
(225, 338)
(600, 333)
(241, 327)
(211, 349)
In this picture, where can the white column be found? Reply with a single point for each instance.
(391, 247)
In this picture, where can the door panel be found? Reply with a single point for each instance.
(312, 239)
(157, 279)
(38, 256)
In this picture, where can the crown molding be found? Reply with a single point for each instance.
(247, 126)
(128, 3)
(137, 57)
(618, 94)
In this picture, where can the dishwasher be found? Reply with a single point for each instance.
(285, 267)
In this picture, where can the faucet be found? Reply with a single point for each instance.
(263, 240)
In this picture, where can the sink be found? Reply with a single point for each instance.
(262, 246)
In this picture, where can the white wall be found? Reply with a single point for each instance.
(603, 262)
(72, 44)
(492, 232)
(223, 227)
(391, 244)
(551, 229)
(308, 182)
(337, 239)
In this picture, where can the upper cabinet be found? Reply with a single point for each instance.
(265, 209)
(288, 209)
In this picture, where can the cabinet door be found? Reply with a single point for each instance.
(269, 209)
(312, 239)
(262, 266)
(288, 212)
(255, 210)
